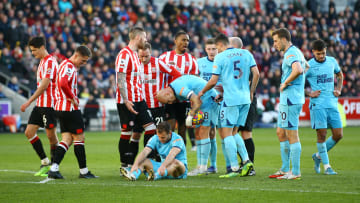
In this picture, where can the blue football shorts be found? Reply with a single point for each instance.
(325, 118)
(288, 118)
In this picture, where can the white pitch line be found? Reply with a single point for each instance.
(16, 171)
(183, 186)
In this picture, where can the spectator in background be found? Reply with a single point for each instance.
(91, 110)
(13, 84)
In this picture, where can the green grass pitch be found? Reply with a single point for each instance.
(18, 162)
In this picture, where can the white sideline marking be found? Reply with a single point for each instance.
(181, 186)
(46, 180)
(17, 171)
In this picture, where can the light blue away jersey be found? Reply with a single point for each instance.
(234, 67)
(294, 93)
(186, 85)
(206, 68)
(164, 149)
(321, 77)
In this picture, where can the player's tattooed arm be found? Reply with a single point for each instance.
(339, 79)
(121, 79)
(255, 80)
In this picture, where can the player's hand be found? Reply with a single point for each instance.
(337, 93)
(218, 98)
(201, 93)
(315, 94)
(188, 121)
(283, 86)
(74, 101)
(129, 105)
(161, 170)
(24, 106)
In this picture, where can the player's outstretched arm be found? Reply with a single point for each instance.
(255, 80)
(296, 71)
(41, 89)
(169, 159)
(140, 158)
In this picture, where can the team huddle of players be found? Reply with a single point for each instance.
(155, 94)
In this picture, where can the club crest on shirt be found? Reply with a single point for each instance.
(68, 72)
(48, 71)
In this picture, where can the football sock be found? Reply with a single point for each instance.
(60, 152)
(38, 147)
(250, 148)
(241, 147)
(323, 153)
(45, 161)
(230, 147)
(227, 161)
(330, 143)
(137, 173)
(191, 134)
(124, 147)
(285, 153)
(84, 170)
(79, 150)
(205, 151)
(198, 152)
(295, 153)
(134, 149)
(149, 132)
(213, 152)
(52, 150)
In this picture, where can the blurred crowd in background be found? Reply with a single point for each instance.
(103, 26)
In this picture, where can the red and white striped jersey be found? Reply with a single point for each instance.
(68, 75)
(153, 76)
(47, 68)
(184, 63)
(128, 62)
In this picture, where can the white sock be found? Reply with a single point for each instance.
(84, 171)
(45, 161)
(326, 166)
(54, 167)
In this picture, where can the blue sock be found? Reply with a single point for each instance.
(230, 147)
(205, 151)
(285, 153)
(137, 173)
(330, 143)
(323, 153)
(295, 153)
(227, 161)
(198, 152)
(158, 176)
(240, 144)
(213, 152)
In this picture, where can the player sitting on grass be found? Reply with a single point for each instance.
(172, 151)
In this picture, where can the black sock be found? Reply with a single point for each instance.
(250, 147)
(38, 147)
(59, 153)
(134, 149)
(123, 151)
(79, 150)
(52, 152)
(191, 132)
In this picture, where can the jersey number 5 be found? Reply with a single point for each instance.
(237, 71)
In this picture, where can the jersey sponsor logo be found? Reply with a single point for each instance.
(187, 63)
(323, 79)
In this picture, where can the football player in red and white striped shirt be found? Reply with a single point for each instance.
(43, 114)
(67, 109)
(153, 72)
(186, 65)
(131, 105)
